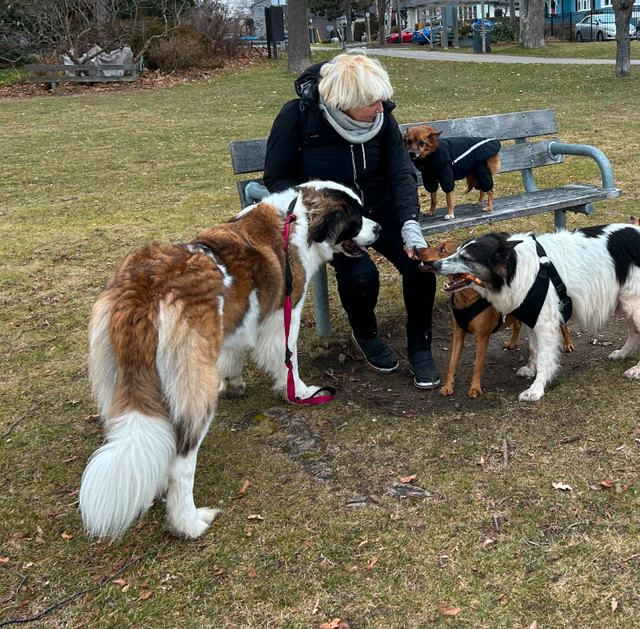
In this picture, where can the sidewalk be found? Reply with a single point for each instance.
(435, 55)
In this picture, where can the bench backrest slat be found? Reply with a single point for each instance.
(80, 68)
(524, 124)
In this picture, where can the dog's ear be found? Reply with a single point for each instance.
(327, 228)
(504, 259)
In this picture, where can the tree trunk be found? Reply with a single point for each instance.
(299, 47)
(381, 6)
(622, 10)
(531, 23)
(347, 14)
(512, 11)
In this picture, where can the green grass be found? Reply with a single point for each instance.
(563, 50)
(89, 177)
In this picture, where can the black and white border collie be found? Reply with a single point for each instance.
(600, 267)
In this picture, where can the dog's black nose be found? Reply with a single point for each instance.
(436, 265)
(377, 229)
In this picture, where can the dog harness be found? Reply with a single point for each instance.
(291, 386)
(454, 158)
(464, 316)
(529, 310)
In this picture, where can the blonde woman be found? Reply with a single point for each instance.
(341, 128)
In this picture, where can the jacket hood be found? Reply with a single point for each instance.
(306, 86)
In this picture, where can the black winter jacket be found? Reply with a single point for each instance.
(303, 146)
(439, 167)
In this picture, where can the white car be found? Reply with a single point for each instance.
(599, 27)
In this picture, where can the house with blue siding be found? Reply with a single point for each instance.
(562, 15)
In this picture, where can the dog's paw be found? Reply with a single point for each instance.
(431, 211)
(633, 373)
(487, 209)
(618, 354)
(193, 526)
(526, 372)
(448, 217)
(447, 390)
(509, 345)
(232, 388)
(532, 394)
(475, 392)
(568, 347)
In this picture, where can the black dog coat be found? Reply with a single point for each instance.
(454, 159)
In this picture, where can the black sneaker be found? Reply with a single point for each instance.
(377, 354)
(425, 374)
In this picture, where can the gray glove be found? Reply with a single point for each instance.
(412, 236)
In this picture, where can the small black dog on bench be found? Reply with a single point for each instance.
(442, 162)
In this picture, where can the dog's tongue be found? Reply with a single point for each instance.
(353, 246)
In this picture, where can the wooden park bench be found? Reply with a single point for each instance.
(83, 73)
(519, 152)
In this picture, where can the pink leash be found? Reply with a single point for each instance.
(291, 386)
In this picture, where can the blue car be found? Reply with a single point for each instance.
(423, 36)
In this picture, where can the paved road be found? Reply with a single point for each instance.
(434, 55)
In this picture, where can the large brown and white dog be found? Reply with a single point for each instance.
(600, 267)
(170, 331)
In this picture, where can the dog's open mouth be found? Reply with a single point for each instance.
(462, 281)
(353, 249)
(426, 267)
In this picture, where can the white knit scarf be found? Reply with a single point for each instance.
(351, 130)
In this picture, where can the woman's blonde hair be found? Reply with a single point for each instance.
(353, 80)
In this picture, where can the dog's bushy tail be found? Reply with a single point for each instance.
(124, 475)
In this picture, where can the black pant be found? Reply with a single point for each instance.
(359, 285)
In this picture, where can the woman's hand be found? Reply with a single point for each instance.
(413, 238)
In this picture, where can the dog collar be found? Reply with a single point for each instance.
(529, 310)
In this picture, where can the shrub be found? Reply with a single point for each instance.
(182, 48)
(504, 32)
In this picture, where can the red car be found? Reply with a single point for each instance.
(407, 36)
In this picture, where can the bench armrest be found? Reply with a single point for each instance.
(560, 148)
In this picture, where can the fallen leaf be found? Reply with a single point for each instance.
(71, 458)
(244, 487)
(606, 483)
(614, 605)
(408, 479)
(252, 574)
(65, 536)
(145, 595)
(352, 569)
(4, 559)
(373, 562)
(330, 625)
(449, 611)
(120, 582)
(562, 487)
(533, 625)
(254, 516)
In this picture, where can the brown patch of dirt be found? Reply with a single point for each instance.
(149, 79)
(394, 393)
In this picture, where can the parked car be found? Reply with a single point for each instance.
(407, 35)
(423, 36)
(599, 27)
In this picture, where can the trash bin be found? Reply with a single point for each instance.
(477, 37)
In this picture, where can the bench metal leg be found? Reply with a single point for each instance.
(321, 302)
(560, 219)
